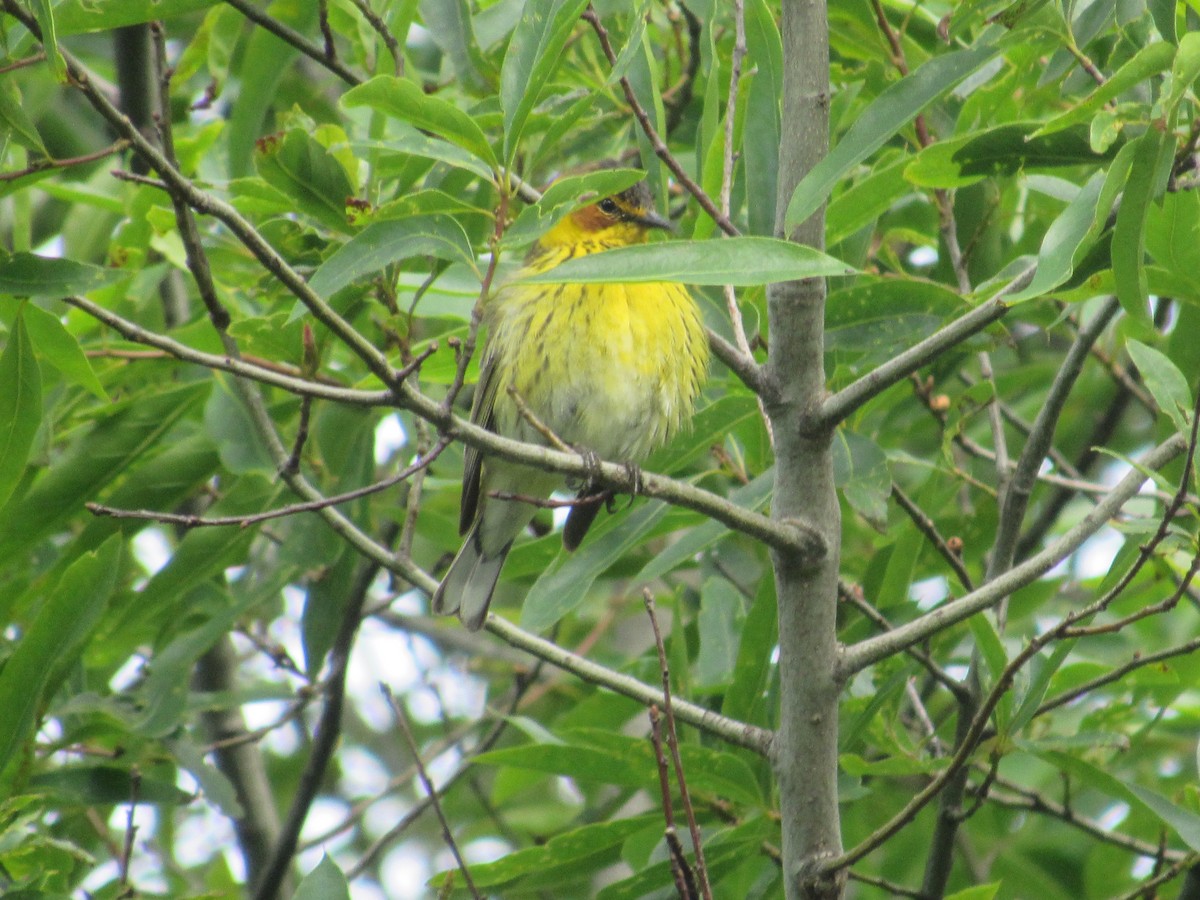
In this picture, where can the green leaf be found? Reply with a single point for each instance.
(565, 195)
(895, 107)
(1148, 61)
(20, 406)
(1165, 382)
(263, 62)
(404, 140)
(449, 23)
(859, 205)
(565, 584)
(1004, 150)
(979, 892)
(1043, 669)
(760, 141)
(603, 757)
(203, 553)
(1066, 241)
(875, 319)
(700, 537)
(746, 696)
(81, 16)
(738, 261)
(568, 849)
(29, 275)
(382, 243)
(1184, 72)
(533, 52)
(98, 456)
(163, 696)
(991, 648)
(49, 39)
(16, 121)
(725, 850)
(306, 172)
(53, 640)
(1184, 822)
(1153, 155)
(58, 347)
(1172, 227)
(719, 624)
(404, 100)
(324, 882)
(107, 786)
(860, 470)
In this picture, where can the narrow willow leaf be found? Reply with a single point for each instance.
(1165, 382)
(565, 195)
(404, 100)
(1146, 62)
(565, 849)
(15, 120)
(96, 458)
(1129, 238)
(451, 26)
(58, 347)
(1065, 241)
(29, 275)
(895, 107)
(1004, 150)
(83, 16)
(1184, 822)
(383, 243)
(53, 639)
(564, 586)
(738, 261)
(20, 406)
(533, 52)
(1184, 72)
(308, 174)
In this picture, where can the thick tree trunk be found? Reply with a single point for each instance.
(805, 753)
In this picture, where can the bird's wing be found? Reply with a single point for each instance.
(482, 414)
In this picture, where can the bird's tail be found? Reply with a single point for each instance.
(469, 582)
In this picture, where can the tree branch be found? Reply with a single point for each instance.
(872, 650)
(840, 405)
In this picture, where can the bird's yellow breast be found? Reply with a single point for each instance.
(615, 368)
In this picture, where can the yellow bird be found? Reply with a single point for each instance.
(611, 369)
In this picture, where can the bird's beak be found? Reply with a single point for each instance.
(651, 219)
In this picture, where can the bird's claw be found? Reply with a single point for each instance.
(591, 461)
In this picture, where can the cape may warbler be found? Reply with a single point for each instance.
(611, 369)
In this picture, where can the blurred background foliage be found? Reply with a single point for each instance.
(153, 673)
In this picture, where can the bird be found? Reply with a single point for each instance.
(613, 370)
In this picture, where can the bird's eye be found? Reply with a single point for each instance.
(608, 205)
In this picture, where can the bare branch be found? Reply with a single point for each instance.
(872, 650)
(737, 733)
(848, 399)
(430, 790)
(673, 743)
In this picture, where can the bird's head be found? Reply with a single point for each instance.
(616, 221)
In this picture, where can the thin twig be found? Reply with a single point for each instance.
(193, 521)
(66, 163)
(681, 869)
(872, 650)
(296, 39)
(656, 142)
(740, 734)
(928, 528)
(673, 743)
(430, 790)
(135, 785)
(385, 35)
